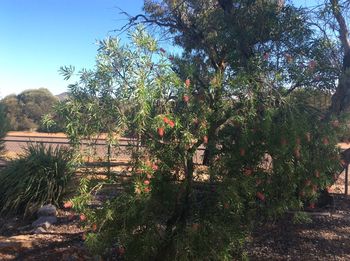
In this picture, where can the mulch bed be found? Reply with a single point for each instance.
(326, 238)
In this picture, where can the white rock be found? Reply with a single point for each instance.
(47, 210)
(39, 230)
(44, 221)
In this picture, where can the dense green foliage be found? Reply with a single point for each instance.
(24, 111)
(4, 126)
(37, 177)
(232, 89)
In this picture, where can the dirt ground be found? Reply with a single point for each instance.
(62, 241)
(326, 238)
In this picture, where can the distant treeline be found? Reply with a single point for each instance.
(25, 110)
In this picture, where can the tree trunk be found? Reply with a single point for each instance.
(181, 213)
(341, 98)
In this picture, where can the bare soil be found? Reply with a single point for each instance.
(62, 241)
(326, 238)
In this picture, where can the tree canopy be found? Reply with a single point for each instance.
(4, 126)
(24, 111)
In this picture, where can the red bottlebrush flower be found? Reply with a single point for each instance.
(205, 139)
(297, 153)
(195, 227)
(260, 196)
(68, 204)
(258, 182)
(162, 50)
(188, 83)
(266, 56)
(288, 57)
(312, 64)
(308, 136)
(171, 124)
(120, 251)
(146, 182)
(317, 174)
(312, 205)
(155, 167)
(165, 119)
(242, 152)
(247, 171)
(82, 217)
(185, 98)
(94, 227)
(307, 182)
(171, 58)
(325, 141)
(147, 190)
(160, 132)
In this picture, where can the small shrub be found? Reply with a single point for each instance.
(4, 126)
(37, 177)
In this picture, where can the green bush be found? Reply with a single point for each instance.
(3, 128)
(37, 177)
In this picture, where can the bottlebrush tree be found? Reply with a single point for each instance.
(271, 154)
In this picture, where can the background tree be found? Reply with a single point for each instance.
(25, 110)
(3, 128)
(341, 98)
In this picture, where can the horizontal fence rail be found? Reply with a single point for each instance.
(16, 144)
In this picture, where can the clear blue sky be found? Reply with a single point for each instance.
(39, 36)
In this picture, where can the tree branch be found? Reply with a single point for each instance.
(343, 29)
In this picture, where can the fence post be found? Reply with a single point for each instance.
(346, 179)
(109, 160)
